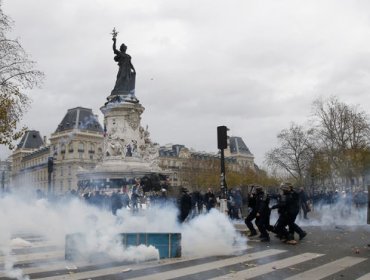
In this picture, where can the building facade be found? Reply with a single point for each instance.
(77, 144)
(192, 169)
(5, 175)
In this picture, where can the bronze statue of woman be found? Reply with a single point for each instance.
(125, 83)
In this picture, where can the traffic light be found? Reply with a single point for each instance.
(222, 137)
(50, 164)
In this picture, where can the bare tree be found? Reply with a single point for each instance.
(344, 135)
(294, 153)
(17, 73)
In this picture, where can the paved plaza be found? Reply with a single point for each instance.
(334, 252)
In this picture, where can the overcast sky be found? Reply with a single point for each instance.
(254, 66)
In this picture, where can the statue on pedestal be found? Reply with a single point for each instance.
(125, 83)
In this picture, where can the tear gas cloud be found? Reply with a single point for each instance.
(22, 214)
(340, 213)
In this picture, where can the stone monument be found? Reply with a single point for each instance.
(128, 152)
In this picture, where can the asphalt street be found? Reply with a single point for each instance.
(331, 252)
(347, 243)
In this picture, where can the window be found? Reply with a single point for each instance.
(70, 147)
(63, 148)
(92, 149)
(81, 147)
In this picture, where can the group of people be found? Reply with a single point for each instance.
(195, 203)
(288, 206)
(357, 198)
(124, 198)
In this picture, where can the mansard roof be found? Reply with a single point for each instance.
(237, 146)
(80, 118)
(31, 140)
(170, 150)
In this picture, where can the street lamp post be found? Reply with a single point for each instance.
(368, 204)
(50, 170)
(3, 181)
(222, 145)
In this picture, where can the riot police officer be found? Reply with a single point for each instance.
(252, 213)
(262, 213)
(288, 208)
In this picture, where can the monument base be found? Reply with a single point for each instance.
(118, 173)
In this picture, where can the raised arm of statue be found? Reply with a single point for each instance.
(114, 46)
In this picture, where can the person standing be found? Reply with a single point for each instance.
(238, 203)
(184, 205)
(116, 202)
(135, 198)
(303, 203)
(125, 199)
(209, 199)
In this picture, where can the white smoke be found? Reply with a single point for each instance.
(336, 214)
(210, 234)
(22, 214)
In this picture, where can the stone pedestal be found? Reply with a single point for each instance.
(125, 139)
(128, 152)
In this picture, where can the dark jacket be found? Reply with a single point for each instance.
(262, 203)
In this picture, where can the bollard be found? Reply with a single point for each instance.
(223, 206)
(368, 207)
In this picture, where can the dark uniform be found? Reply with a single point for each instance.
(262, 214)
(252, 201)
(303, 202)
(288, 209)
(116, 203)
(292, 198)
(184, 205)
(210, 200)
(280, 226)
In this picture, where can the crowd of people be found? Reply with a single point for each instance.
(357, 198)
(254, 207)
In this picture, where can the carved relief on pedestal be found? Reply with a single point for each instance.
(149, 150)
(126, 138)
(114, 146)
(133, 119)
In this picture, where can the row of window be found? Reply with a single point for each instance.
(80, 148)
(35, 162)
